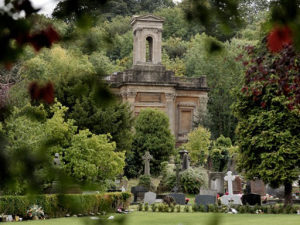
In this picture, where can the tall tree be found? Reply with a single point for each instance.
(223, 73)
(268, 112)
(152, 133)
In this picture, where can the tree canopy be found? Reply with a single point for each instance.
(152, 133)
(268, 128)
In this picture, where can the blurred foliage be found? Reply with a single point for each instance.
(86, 157)
(59, 205)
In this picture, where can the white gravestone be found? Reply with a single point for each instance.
(150, 197)
(230, 198)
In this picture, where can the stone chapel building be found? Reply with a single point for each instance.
(149, 84)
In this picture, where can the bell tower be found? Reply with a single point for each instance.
(147, 35)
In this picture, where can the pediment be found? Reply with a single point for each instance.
(150, 18)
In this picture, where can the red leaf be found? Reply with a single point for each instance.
(45, 38)
(278, 38)
(34, 91)
(45, 93)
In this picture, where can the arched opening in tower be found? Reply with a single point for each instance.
(149, 49)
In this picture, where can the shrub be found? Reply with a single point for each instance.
(160, 208)
(146, 207)
(172, 207)
(153, 207)
(178, 208)
(192, 179)
(145, 180)
(202, 208)
(196, 208)
(140, 207)
(186, 208)
(165, 207)
(59, 205)
(210, 208)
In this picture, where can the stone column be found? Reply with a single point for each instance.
(170, 105)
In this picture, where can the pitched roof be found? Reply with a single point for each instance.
(149, 17)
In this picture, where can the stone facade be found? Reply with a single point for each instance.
(149, 84)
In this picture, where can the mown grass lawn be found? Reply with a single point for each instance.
(148, 218)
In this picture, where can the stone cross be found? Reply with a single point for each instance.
(229, 178)
(177, 187)
(147, 157)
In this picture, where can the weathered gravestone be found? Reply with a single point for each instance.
(177, 186)
(150, 197)
(185, 162)
(216, 181)
(258, 187)
(178, 197)
(251, 199)
(206, 197)
(138, 193)
(147, 157)
(237, 185)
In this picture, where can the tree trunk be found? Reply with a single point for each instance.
(288, 194)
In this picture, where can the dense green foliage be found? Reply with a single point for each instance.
(68, 10)
(198, 145)
(268, 129)
(86, 157)
(220, 153)
(60, 205)
(77, 84)
(152, 134)
(191, 180)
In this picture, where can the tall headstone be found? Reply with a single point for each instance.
(147, 157)
(258, 187)
(185, 162)
(229, 178)
(216, 181)
(237, 185)
(230, 198)
(177, 187)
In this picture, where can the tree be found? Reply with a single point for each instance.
(198, 145)
(220, 153)
(152, 134)
(76, 85)
(86, 157)
(70, 10)
(268, 112)
(223, 73)
(92, 158)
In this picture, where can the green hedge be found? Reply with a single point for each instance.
(60, 205)
(266, 209)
